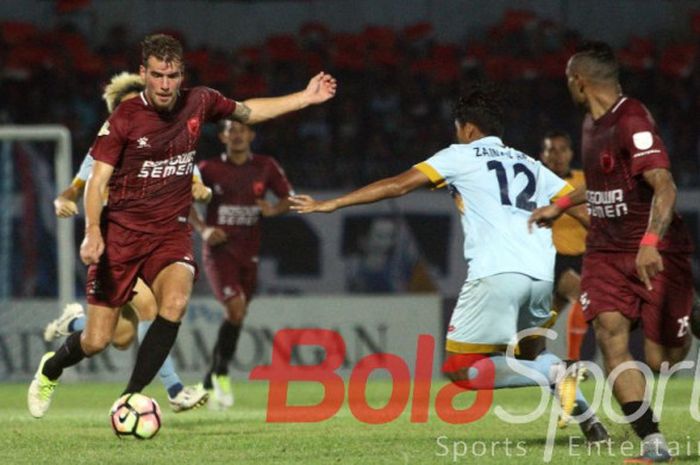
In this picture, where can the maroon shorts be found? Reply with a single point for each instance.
(230, 273)
(610, 283)
(129, 255)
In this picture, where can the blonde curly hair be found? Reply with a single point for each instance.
(119, 86)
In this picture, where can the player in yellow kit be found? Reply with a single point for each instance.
(569, 236)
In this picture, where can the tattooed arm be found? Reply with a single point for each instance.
(664, 201)
(319, 89)
(649, 261)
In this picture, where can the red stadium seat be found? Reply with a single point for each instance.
(677, 60)
(382, 37)
(283, 48)
(418, 31)
(17, 32)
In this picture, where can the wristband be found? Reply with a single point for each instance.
(650, 239)
(563, 202)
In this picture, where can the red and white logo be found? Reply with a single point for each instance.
(193, 125)
(607, 162)
(258, 188)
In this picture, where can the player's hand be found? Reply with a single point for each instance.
(214, 236)
(200, 192)
(92, 247)
(649, 264)
(307, 204)
(321, 88)
(544, 216)
(64, 208)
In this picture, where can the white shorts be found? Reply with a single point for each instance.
(490, 312)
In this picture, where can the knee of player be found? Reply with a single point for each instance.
(669, 356)
(174, 305)
(611, 335)
(654, 362)
(148, 312)
(123, 342)
(236, 310)
(94, 343)
(237, 316)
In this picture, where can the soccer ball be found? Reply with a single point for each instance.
(135, 415)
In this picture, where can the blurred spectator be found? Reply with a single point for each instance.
(395, 86)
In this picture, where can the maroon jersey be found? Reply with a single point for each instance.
(153, 157)
(236, 188)
(617, 149)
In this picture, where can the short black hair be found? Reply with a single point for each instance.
(481, 104)
(597, 61)
(554, 133)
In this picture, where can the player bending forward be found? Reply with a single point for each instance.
(509, 285)
(145, 153)
(136, 316)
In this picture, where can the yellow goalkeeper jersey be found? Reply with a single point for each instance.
(568, 234)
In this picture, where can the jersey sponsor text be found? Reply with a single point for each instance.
(179, 165)
(238, 215)
(606, 204)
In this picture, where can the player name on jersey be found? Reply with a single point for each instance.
(498, 152)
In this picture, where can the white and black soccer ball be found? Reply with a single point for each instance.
(135, 415)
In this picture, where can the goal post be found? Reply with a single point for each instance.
(62, 169)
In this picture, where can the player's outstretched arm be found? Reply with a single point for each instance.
(321, 88)
(268, 209)
(93, 245)
(395, 186)
(649, 262)
(65, 202)
(545, 216)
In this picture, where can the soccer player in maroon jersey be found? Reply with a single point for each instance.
(144, 154)
(239, 180)
(636, 267)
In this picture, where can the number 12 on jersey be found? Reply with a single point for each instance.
(522, 200)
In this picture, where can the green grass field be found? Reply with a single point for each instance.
(76, 431)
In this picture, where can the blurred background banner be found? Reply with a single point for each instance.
(367, 325)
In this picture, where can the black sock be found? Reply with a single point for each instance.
(67, 355)
(225, 347)
(153, 351)
(206, 383)
(644, 425)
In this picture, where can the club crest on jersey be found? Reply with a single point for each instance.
(607, 162)
(193, 126)
(642, 140)
(142, 143)
(258, 188)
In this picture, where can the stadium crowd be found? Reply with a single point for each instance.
(395, 105)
